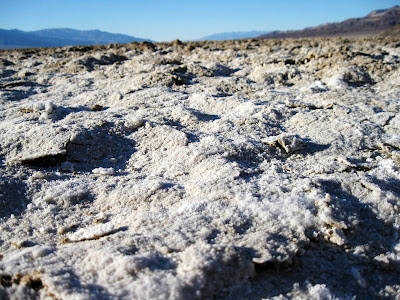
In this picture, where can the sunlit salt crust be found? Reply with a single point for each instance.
(239, 170)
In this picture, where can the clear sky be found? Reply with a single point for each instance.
(164, 20)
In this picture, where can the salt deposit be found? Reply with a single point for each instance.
(244, 169)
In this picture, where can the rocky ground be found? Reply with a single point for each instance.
(213, 170)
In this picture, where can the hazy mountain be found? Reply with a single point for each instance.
(372, 24)
(232, 35)
(60, 37)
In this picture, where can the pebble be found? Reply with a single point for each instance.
(103, 171)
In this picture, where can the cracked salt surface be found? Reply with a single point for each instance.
(243, 169)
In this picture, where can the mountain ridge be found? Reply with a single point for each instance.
(234, 35)
(373, 23)
(60, 37)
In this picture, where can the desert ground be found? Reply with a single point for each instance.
(251, 169)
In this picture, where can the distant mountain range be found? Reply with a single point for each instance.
(374, 23)
(384, 22)
(232, 35)
(10, 39)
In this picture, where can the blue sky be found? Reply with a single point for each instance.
(167, 20)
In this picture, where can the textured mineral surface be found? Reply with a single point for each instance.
(248, 169)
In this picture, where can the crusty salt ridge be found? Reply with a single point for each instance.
(244, 169)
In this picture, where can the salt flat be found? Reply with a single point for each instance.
(207, 170)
